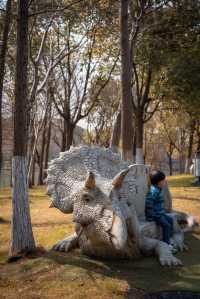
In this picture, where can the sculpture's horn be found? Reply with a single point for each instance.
(118, 179)
(90, 181)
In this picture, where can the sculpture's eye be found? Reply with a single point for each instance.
(87, 197)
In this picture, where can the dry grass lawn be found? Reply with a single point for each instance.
(72, 276)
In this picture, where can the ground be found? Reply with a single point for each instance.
(72, 276)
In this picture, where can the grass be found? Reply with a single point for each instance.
(73, 276)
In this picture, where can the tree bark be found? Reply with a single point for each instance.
(42, 152)
(31, 158)
(22, 240)
(198, 140)
(21, 233)
(70, 134)
(3, 50)
(169, 154)
(116, 133)
(134, 147)
(64, 136)
(127, 109)
(190, 147)
(181, 152)
(139, 136)
(47, 145)
(67, 138)
(32, 182)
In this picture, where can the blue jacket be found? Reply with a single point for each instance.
(154, 203)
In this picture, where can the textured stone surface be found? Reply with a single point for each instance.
(135, 187)
(107, 198)
(69, 171)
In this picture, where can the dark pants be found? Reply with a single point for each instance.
(166, 222)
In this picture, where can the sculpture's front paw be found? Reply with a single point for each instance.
(170, 260)
(62, 245)
(67, 244)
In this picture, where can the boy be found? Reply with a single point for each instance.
(154, 208)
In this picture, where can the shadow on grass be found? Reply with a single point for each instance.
(2, 220)
(144, 275)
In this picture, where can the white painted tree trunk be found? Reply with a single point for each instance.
(22, 239)
(139, 156)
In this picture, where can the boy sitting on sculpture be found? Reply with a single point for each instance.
(154, 206)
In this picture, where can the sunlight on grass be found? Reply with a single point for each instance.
(184, 180)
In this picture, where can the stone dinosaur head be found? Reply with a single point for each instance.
(102, 227)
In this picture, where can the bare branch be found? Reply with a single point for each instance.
(55, 10)
(100, 90)
(147, 87)
(151, 113)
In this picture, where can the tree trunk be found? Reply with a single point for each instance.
(32, 182)
(31, 158)
(134, 147)
(70, 134)
(48, 145)
(181, 152)
(127, 109)
(170, 165)
(116, 133)
(169, 154)
(198, 140)
(42, 152)
(64, 137)
(139, 136)
(21, 233)
(22, 240)
(3, 50)
(190, 147)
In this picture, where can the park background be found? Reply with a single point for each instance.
(120, 74)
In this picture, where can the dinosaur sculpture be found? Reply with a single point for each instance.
(106, 196)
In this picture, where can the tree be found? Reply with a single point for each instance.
(116, 132)
(78, 71)
(3, 49)
(126, 105)
(22, 240)
(101, 119)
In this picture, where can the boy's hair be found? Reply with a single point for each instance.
(156, 176)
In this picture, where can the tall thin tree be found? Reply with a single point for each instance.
(3, 50)
(22, 239)
(127, 109)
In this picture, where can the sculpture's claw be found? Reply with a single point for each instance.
(170, 260)
(67, 244)
(62, 246)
